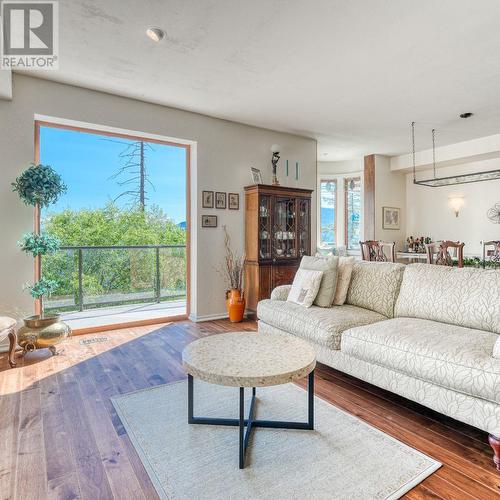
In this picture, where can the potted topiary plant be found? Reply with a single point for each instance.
(40, 186)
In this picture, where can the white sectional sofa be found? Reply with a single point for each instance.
(428, 333)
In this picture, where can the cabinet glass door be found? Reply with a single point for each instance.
(303, 227)
(265, 235)
(284, 228)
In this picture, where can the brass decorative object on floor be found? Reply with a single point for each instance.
(41, 332)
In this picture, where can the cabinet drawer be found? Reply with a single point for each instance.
(283, 275)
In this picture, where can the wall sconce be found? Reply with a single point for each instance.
(456, 203)
(275, 150)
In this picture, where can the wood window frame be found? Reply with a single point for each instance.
(346, 209)
(333, 181)
(37, 220)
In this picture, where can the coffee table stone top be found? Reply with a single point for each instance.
(249, 359)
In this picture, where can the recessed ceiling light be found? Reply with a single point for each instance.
(156, 34)
(466, 115)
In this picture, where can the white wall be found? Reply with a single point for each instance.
(225, 152)
(429, 213)
(390, 191)
(340, 167)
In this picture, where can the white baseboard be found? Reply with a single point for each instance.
(207, 317)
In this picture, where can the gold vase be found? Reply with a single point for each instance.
(41, 332)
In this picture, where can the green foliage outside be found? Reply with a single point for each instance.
(116, 271)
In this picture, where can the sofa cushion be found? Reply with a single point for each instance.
(329, 266)
(375, 286)
(466, 297)
(321, 325)
(346, 265)
(451, 356)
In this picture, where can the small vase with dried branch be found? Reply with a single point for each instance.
(231, 271)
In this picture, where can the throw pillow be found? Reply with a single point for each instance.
(346, 265)
(329, 266)
(305, 287)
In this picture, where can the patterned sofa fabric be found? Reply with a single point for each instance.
(281, 292)
(321, 325)
(474, 411)
(450, 356)
(375, 286)
(466, 297)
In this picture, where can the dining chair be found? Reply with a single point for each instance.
(438, 253)
(373, 250)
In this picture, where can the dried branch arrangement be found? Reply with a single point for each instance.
(232, 268)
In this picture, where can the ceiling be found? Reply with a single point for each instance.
(351, 73)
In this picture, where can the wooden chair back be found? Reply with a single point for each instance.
(373, 250)
(493, 254)
(438, 253)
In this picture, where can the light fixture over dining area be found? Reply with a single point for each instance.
(456, 203)
(451, 180)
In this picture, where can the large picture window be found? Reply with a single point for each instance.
(122, 226)
(328, 213)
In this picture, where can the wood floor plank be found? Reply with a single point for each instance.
(81, 449)
(10, 404)
(141, 474)
(120, 474)
(55, 431)
(90, 471)
(31, 481)
(64, 487)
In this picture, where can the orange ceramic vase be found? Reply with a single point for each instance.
(235, 303)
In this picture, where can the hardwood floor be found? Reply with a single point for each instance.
(61, 438)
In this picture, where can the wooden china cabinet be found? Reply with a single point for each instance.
(277, 235)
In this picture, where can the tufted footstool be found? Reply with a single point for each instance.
(8, 329)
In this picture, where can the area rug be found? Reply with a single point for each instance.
(342, 458)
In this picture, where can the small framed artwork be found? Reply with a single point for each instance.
(220, 200)
(208, 221)
(391, 218)
(208, 199)
(234, 201)
(256, 175)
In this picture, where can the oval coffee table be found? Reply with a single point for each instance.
(249, 359)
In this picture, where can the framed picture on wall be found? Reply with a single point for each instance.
(208, 199)
(208, 221)
(234, 201)
(391, 218)
(220, 200)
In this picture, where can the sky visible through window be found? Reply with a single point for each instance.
(87, 163)
(328, 205)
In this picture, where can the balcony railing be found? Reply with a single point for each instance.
(101, 276)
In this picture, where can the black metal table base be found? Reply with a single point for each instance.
(250, 423)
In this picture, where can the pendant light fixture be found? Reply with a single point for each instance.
(451, 180)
